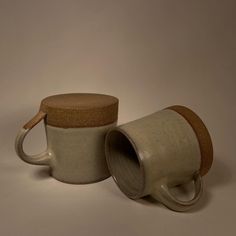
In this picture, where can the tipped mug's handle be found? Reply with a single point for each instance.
(163, 195)
(39, 159)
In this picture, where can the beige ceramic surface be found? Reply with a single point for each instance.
(149, 155)
(150, 54)
(75, 155)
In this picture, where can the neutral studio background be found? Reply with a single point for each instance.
(148, 53)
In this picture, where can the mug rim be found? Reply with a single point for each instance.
(139, 156)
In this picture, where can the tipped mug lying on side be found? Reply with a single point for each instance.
(76, 125)
(151, 155)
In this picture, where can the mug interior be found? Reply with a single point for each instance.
(124, 164)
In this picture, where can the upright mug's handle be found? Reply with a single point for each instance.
(163, 195)
(39, 159)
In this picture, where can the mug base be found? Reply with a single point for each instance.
(70, 181)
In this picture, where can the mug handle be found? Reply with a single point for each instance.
(38, 159)
(163, 195)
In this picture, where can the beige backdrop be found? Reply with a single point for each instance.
(148, 53)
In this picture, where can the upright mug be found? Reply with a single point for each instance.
(76, 125)
(151, 155)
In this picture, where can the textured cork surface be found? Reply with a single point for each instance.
(202, 134)
(80, 110)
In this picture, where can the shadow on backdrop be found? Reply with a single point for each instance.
(43, 172)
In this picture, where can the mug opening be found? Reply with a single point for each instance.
(124, 163)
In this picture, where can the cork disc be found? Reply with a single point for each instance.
(80, 110)
(202, 134)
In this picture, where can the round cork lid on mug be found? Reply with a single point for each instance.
(202, 134)
(80, 110)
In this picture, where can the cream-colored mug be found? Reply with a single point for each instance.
(151, 155)
(76, 125)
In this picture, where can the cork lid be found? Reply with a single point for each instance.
(202, 134)
(80, 110)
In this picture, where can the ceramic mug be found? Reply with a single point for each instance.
(76, 125)
(151, 155)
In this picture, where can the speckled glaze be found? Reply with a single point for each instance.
(75, 155)
(150, 155)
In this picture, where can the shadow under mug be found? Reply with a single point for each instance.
(151, 155)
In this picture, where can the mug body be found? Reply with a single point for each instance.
(145, 153)
(76, 125)
(77, 154)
